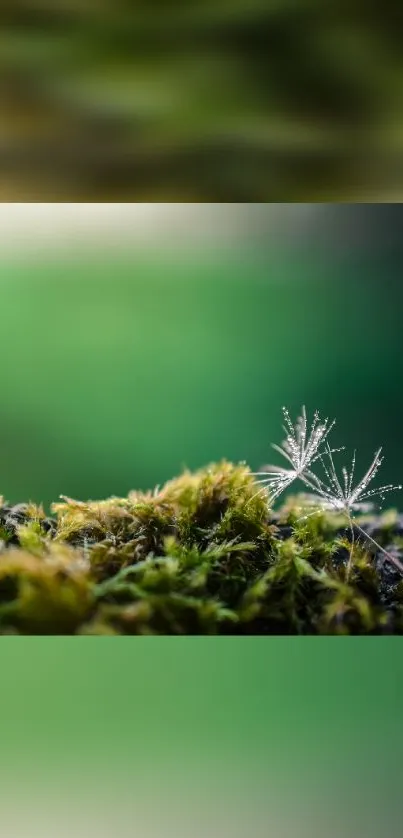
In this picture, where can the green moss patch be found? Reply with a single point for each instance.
(202, 555)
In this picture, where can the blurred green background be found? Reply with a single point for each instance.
(226, 737)
(121, 365)
(200, 100)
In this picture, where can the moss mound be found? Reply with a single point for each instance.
(202, 555)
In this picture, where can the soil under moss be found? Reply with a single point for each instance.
(202, 555)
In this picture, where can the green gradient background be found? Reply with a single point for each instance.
(303, 732)
(118, 371)
(115, 372)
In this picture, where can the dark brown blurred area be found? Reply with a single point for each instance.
(201, 100)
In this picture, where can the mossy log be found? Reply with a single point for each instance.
(204, 554)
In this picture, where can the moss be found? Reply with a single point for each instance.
(50, 593)
(204, 554)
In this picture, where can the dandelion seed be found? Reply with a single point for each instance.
(301, 448)
(341, 496)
